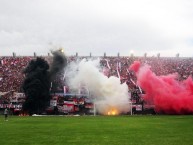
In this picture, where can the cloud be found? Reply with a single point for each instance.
(86, 26)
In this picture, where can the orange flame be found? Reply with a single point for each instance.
(113, 112)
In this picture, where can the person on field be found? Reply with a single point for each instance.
(6, 113)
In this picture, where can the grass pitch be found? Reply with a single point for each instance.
(99, 130)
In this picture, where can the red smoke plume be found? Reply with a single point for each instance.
(169, 95)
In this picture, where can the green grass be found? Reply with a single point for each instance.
(99, 130)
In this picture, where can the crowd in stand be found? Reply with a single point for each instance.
(11, 76)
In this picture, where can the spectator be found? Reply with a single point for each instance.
(6, 114)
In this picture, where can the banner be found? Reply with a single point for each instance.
(53, 103)
(138, 107)
(19, 106)
(17, 97)
(68, 106)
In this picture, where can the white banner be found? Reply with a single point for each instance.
(68, 108)
(138, 107)
(53, 102)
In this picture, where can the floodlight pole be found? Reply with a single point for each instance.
(94, 109)
(131, 108)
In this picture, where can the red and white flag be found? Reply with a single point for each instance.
(64, 89)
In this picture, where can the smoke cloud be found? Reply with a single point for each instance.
(36, 85)
(108, 93)
(169, 95)
(58, 63)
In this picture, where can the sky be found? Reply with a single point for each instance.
(97, 26)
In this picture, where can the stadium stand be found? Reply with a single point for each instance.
(11, 76)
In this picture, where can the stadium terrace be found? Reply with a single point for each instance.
(64, 100)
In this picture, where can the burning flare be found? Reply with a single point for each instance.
(113, 112)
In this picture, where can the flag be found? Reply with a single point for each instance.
(2, 62)
(64, 89)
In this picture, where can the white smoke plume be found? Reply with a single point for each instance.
(108, 93)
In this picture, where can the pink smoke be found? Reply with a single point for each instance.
(169, 95)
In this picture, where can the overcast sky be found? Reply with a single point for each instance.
(97, 26)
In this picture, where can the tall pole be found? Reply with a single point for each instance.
(94, 109)
(131, 108)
